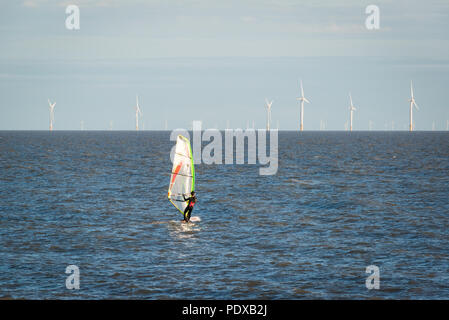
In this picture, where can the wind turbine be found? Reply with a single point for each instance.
(412, 103)
(351, 110)
(322, 125)
(138, 112)
(268, 112)
(52, 113)
(302, 99)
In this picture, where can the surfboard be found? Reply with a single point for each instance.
(192, 219)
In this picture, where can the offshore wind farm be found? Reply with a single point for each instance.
(268, 104)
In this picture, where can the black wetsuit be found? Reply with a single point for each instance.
(188, 210)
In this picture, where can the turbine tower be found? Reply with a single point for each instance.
(302, 99)
(351, 110)
(52, 113)
(268, 112)
(412, 103)
(138, 112)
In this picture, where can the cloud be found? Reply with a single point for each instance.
(248, 19)
(33, 3)
(81, 3)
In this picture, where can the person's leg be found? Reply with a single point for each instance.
(189, 214)
(186, 210)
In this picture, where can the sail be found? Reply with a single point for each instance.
(182, 179)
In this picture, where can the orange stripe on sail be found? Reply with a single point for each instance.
(175, 174)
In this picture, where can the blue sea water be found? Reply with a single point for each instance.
(339, 202)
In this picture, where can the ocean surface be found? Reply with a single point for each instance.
(339, 202)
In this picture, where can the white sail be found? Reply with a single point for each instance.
(182, 179)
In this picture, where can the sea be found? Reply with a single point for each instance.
(339, 205)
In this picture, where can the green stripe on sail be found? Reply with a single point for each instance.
(193, 167)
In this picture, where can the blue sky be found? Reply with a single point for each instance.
(216, 61)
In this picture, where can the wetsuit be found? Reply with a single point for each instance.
(188, 210)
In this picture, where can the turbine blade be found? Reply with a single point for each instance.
(305, 99)
(414, 103)
(302, 90)
(411, 88)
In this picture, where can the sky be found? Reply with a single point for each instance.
(217, 61)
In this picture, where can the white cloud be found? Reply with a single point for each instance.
(81, 3)
(248, 19)
(33, 3)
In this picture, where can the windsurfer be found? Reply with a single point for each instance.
(190, 203)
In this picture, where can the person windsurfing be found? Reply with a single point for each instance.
(190, 203)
